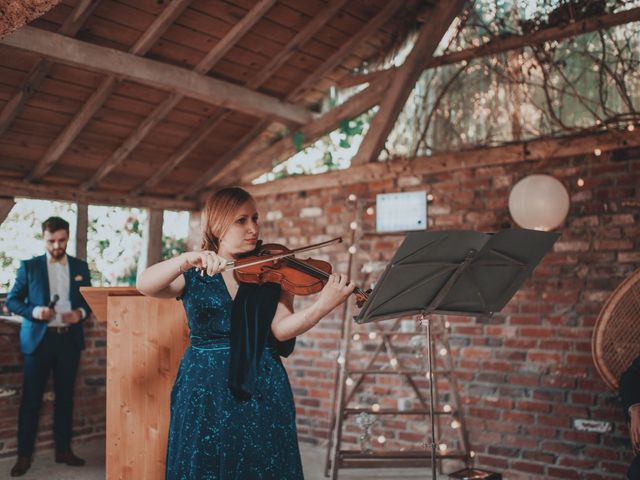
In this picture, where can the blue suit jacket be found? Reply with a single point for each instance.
(31, 289)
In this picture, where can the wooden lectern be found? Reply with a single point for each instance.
(146, 338)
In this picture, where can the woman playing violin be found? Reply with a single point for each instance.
(232, 410)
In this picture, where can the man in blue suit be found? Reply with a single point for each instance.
(46, 293)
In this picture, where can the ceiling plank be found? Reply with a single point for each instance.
(70, 27)
(514, 42)
(232, 164)
(104, 91)
(160, 112)
(68, 193)
(156, 74)
(532, 151)
(256, 81)
(438, 22)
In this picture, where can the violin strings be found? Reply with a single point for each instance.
(311, 268)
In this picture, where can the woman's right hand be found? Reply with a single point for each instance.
(206, 261)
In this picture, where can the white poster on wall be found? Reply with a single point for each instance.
(402, 211)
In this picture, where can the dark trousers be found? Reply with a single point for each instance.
(634, 469)
(56, 352)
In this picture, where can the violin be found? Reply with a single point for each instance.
(276, 263)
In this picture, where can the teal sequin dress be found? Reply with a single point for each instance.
(213, 435)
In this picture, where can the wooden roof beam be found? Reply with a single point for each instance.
(256, 81)
(156, 74)
(514, 42)
(104, 90)
(532, 151)
(69, 193)
(70, 27)
(438, 22)
(162, 110)
(230, 163)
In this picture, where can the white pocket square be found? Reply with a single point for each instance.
(78, 278)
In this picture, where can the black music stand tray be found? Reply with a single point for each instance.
(454, 272)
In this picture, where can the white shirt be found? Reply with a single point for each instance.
(58, 273)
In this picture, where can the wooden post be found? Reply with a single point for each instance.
(6, 204)
(154, 237)
(195, 233)
(82, 224)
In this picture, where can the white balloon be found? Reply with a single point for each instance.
(539, 202)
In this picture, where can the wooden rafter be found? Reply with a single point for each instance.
(535, 150)
(231, 163)
(514, 42)
(70, 27)
(213, 56)
(440, 17)
(18, 188)
(156, 74)
(104, 90)
(256, 81)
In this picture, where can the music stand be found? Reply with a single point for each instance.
(454, 272)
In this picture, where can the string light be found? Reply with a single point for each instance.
(631, 127)
(353, 225)
(455, 424)
(349, 381)
(352, 249)
(597, 152)
(370, 211)
(382, 439)
(430, 197)
(352, 197)
(356, 336)
(580, 182)
(373, 335)
(472, 454)
(446, 407)
(442, 447)
(447, 325)
(443, 351)
(375, 407)
(340, 360)
(394, 362)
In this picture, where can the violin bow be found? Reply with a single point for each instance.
(231, 265)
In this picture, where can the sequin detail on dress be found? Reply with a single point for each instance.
(213, 436)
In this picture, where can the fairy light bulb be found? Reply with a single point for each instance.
(394, 362)
(631, 127)
(597, 152)
(370, 211)
(352, 197)
(340, 360)
(373, 335)
(352, 249)
(356, 336)
(580, 182)
(349, 381)
(382, 439)
(455, 424)
(446, 407)
(375, 407)
(353, 225)
(442, 447)
(443, 352)
(447, 325)
(430, 197)
(472, 454)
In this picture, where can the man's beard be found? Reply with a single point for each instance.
(58, 254)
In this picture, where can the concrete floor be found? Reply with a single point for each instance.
(93, 452)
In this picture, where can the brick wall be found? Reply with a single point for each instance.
(525, 374)
(90, 403)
